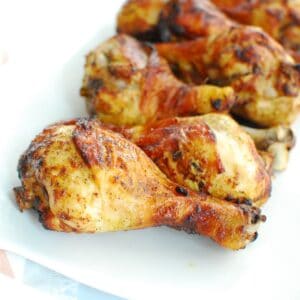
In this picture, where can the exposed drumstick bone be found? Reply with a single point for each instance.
(275, 140)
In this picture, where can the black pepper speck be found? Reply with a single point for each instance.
(182, 191)
(177, 155)
(217, 103)
(248, 202)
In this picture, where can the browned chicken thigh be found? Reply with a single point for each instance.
(126, 83)
(209, 153)
(205, 46)
(82, 177)
(280, 18)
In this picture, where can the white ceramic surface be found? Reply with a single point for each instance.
(12, 289)
(46, 42)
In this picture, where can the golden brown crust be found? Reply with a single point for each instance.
(184, 150)
(280, 18)
(82, 177)
(263, 75)
(209, 153)
(163, 21)
(190, 19)
(125, 83)
(140, 18)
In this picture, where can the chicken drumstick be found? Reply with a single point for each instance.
(84, 178)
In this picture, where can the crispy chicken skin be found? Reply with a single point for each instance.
(140, 18)
(165, 20)
(125, 83)
(205, 46)
(280, 18)
(209, 153)
(82, 177)
(262, 74)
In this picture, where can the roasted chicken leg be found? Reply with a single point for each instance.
(84, 178)
(209, 153)
(126, 83)
(263, 75)
(280, 18)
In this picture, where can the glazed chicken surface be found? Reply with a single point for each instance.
(279, 18)
(82, 177)
(209, 153)
(203, 45)
(126, 83)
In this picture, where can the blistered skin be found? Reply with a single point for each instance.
(84, 178)
(280, 18)
(209, 153)
(263, 75)
(125, 83)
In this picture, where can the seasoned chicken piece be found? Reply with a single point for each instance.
(209, 153)
(163, 20)
(140, 18)
(280, 18)
(264, 77)
(82, 177)
(125, 83)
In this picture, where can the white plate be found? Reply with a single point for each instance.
(46, 42)
(12, 289)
